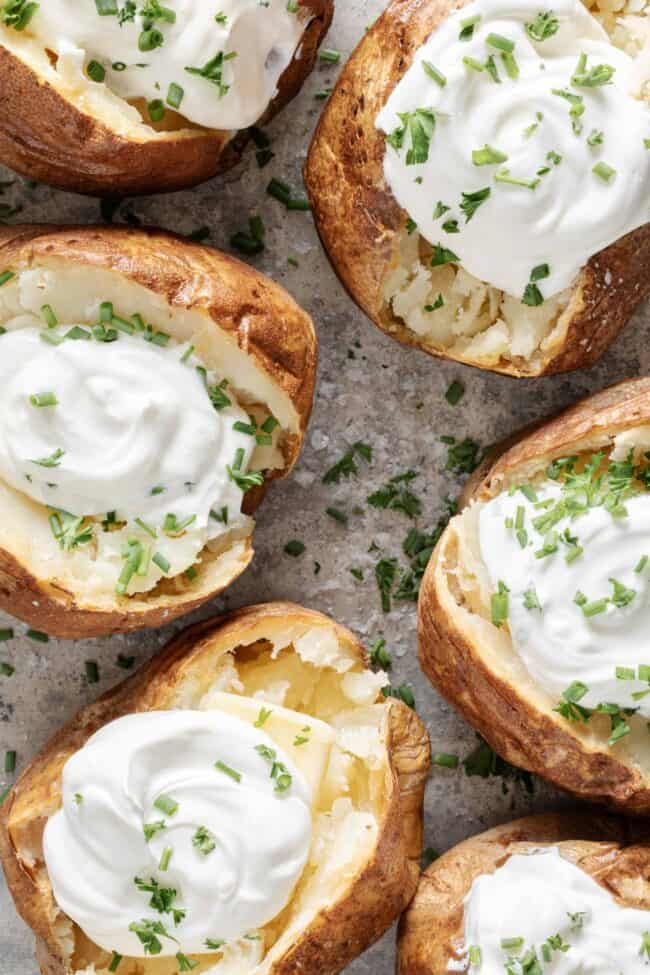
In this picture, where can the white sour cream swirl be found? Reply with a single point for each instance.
(532, 897)
(95, 845)
(572, 213)
(137, 435)
(558, 643)
(264, 38)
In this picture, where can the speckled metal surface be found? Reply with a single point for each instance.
(369, 389)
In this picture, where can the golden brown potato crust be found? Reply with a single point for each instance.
(268, 325)
(615, 853)
(374, 898)
(49, 138)
(359, 220)
(540, 741)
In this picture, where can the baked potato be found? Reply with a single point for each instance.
(137, 369)
(603, 862)
(277, 667)
(485, 281)
(536, 591)
(118, 100)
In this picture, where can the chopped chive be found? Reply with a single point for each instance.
(604, 171)
(228, 771)
(166, 805)
(92, 671)
(165, 858)
(147, 528)
(6, 276)
(175, 95)
(37, 635)
(43, 399)
(487, 156)
(160, 560)
(49, 316)
(10, 761)
(455, 392)
(434, 74)
(445, 760)
(500, 42)
(115, 961)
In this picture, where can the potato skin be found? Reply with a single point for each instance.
(537, 740)
(614, 852)
(46, 137)
(375, 897)
(268, 325)
(359, 220)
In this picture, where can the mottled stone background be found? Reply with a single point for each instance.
(369, 389)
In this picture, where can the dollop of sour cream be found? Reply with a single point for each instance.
(184, 801)
(125, 427)
(236, 51)
(539, 896)
(535, 168)
(584, 618)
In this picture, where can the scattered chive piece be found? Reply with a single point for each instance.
(337, 515)
(263, 717)
(49, 316)
(43, 399)
(641, 564)
(6, 276)
(10, 761)
(6, 634)
(603, 171)
(165, 858)
(500, 605)
(467, 28)
(166, 805)
(92, 672)
(455, 392)
(294, 548)
(500, 42)
(432, 72)
(125, 662)
(160, 560)
(330, 55)
(38, 636)
(6, 669)
(487, 156)
(115, 961)
(175, 95)
(228, 771)
(445, 760)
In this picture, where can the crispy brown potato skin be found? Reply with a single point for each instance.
(613, 852)
(359, 220)
(539, 741)
(48, 138)
(375, 897)
(267, 323)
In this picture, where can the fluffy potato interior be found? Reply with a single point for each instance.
(479, 323)
(74, 293)
(465, 591)
(308, 669)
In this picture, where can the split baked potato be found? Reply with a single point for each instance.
(614, 853)
(413, 290)
(367, 823)
(134, 298)
(63, 122)
(523, 610)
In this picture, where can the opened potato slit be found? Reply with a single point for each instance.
(563, 892)
(152, 389)
(348, 762)
(533, 608)
(441, 197)
(146, 99)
